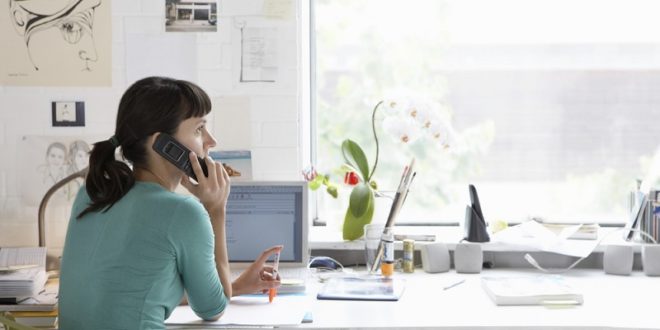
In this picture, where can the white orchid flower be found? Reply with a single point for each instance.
(422, 112)
(440, 131)
(394, 105)
(403, 128)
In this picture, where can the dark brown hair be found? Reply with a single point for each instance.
(150, 105)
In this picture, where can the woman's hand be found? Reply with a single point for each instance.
(258, 277)
(213, 190)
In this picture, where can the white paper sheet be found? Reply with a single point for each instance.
(170, 55)
(281, 9)
(231, 122)
(259, 58)
(532, 234)
(251, 310)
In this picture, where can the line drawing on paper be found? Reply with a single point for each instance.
(74, 19)
(60, 162)
(258, 54)
(54, 166)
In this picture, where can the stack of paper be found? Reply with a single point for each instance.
(22, 283)
(531, 290)
(46, 300)
(22, 275)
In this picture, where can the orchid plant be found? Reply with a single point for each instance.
(405, 120)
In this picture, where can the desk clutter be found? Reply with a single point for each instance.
(25, 295)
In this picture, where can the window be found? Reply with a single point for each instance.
(556, 103)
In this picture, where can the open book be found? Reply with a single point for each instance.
(531, 290)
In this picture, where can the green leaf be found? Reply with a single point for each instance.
(355, 157)
(361, 197)
(360, 212)
(354, 225)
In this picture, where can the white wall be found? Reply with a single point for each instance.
(270, 112)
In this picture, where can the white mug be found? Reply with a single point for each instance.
(618, 259)
(651, 259)
(468, 258)
(435, 258)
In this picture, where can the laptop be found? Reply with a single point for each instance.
(261, 214)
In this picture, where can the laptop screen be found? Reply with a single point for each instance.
(264, 214)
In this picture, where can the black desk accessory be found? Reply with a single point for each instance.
(475, 225)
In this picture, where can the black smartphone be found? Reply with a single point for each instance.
(177, 154)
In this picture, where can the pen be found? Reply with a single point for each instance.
(453, 285)
(272, 292)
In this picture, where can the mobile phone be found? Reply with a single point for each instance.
(177, 154)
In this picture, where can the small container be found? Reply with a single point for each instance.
(408, 256)
(387, 266)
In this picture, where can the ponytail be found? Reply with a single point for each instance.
(108, 179)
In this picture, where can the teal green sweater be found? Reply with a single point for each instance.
(127, 268)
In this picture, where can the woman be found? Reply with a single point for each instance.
(133, 245)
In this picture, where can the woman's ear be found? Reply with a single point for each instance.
(152, 139)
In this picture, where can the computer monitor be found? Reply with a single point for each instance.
(262, 214)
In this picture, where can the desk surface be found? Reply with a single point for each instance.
(610, 302)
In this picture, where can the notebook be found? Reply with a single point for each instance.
(531, 290)
(261, 214)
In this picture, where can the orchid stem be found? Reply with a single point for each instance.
(373, 127)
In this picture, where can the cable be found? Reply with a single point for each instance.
(536, 265)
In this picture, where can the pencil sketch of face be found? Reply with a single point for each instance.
(55, 155)
(37, 20)
(78, 156)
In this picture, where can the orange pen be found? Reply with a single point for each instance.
(272, 292)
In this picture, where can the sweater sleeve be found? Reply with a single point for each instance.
(192, 236)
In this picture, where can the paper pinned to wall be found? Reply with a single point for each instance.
(259, 59)
(280, 9)
(232, 122)
(45, 161)
(56, 43)
(170, 55)
(49, 159)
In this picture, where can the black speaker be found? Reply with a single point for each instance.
(475, 225)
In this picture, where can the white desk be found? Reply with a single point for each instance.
(610, 302)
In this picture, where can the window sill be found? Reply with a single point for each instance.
(325, 238)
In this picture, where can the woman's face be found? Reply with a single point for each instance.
(80, 159)
(55, 157)
(193, 134)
